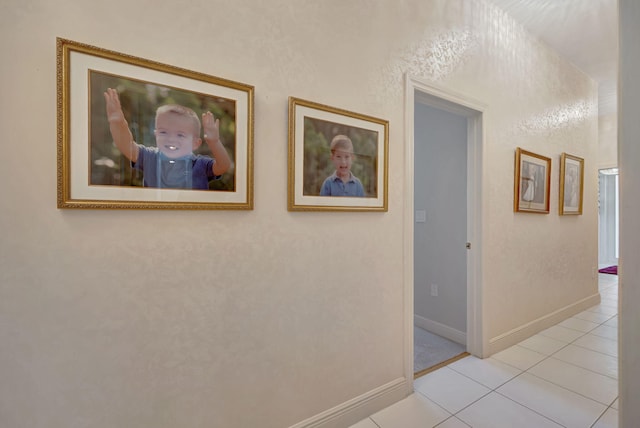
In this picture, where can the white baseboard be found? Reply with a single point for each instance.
(527, 330)
(356, 409)
(441, 329)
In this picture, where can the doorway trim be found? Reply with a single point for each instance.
(424, 92)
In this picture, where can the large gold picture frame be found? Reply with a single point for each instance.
(337, 159)
(532, 182)
(571, 184)
(94, 173)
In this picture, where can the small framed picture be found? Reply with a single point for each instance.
(134, 133)
(531, 186)
(337, 159)
(571, 184)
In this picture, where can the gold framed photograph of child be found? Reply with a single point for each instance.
(135, 133)
(337, 159)
(571, 184)
(532, 182)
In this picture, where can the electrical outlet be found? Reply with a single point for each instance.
(434, 290)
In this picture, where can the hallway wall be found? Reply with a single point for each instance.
(267, 318)
(628, 156)
(608, 141)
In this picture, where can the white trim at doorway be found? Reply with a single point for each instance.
(417, 89)
(440, 329)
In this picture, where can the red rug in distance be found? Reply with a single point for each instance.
(613, 270)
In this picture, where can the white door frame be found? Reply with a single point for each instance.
(444, 99)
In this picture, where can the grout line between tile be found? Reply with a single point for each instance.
(527, 407)
(570, 390)
(374, 422)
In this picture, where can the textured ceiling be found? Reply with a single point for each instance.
(585, 32)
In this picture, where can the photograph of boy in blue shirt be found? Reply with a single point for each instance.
(342, 182)
(172, 163)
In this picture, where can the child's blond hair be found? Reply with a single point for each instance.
(183, 111)
(341, 142)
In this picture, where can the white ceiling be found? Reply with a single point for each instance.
(583, 31)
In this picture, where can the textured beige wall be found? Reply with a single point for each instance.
(608, 141)
(264, 318)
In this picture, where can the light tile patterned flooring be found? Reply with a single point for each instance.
(565, 376)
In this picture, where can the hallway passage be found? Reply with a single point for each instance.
(565, 376)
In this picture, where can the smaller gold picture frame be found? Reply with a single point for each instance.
(571, 184)
(532, 182)
(337, 159)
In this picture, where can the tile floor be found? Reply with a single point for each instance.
(565, 376)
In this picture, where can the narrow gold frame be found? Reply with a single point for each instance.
(520, 205)
(563, 169)
(295, 200)
(243, 200)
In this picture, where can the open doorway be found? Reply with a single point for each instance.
(440, 236)
(444, 175)
(608, 219)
